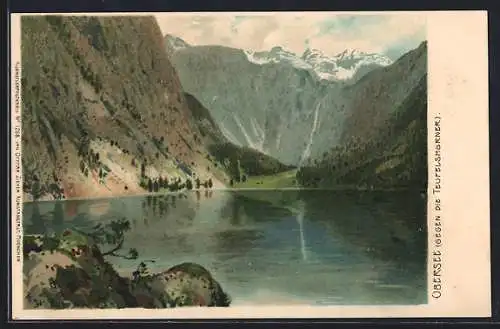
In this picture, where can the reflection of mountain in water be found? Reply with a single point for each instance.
(37, 221)
(389, 226)
(318, 245)
(300, 221)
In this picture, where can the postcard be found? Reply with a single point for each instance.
(250, 165)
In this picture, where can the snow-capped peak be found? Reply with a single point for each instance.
(176, 43)
(313, 53)
(354, 55)
(345, 65)
(276, 55)
(350, 53)
(279, 50)
(342, 66)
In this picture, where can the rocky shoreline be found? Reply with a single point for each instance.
(69, 270)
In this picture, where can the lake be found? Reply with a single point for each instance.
(271, 247)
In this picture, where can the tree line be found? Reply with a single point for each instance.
(156, 184)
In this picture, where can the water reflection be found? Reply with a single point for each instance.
(395, 225)
(317, 246)
(37, 223)
(300, 221)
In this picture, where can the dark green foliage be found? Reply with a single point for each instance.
(90, 281)
(396, 158)
(251, 162)
(112, 233)
(36, 190)
(222, 299)
(141, 272)
(189, 184)
(82, 166)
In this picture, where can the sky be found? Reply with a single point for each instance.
(391, 34)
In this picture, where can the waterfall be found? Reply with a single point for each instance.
(300, 221)
(257, 146)
(307, 150)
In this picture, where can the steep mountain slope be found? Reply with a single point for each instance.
(274, 108)
(385, 136)
(103, 108)
(236, 160)
(382, 92)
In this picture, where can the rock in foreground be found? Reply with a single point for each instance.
(187, 284)
(70, 271)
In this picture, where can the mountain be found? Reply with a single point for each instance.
(349, 65)
(275, 103)
(384, 142)
(381, 93)
(174, 43)
(270, 108)
(238, 161)
(104, 112)
(277, 55)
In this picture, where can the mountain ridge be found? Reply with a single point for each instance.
(289, 113)
(345, 65)
(104, 112)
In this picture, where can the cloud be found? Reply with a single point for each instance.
(349, 24)
(401, 46)
(329, 32)
(370, 34)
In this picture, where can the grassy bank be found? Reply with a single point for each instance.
(284, 179)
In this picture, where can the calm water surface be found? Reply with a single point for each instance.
(271, 247)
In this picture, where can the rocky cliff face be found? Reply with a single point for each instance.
(271, 108)
(289, 111)
(237, 161)
(103, 106)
